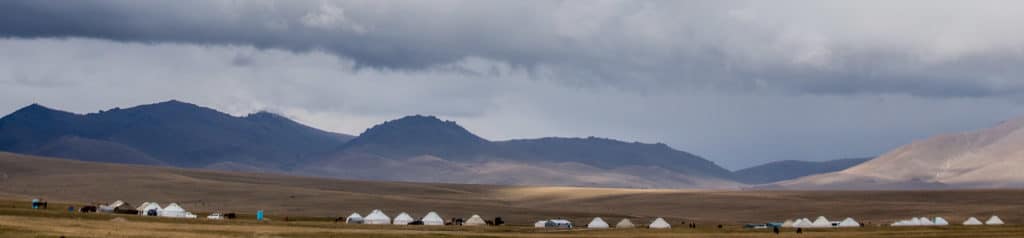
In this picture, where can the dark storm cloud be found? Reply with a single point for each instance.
(951, 49)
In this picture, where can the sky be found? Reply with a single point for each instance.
(737, 82)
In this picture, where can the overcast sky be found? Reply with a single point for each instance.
(738, 82)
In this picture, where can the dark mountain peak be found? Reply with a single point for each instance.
(419, 129)
(34, 108)
(173, 103)
(37, 111)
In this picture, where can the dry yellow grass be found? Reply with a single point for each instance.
(304, 198)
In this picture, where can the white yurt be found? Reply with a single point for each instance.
(926, 222)
(972, 222)
(150, 206)
(914, 222)
(849, 222)
(173, 210)
(354, 218)
(432, 219)
(625, 223)
(539, 224)
(994, 220)
(802, 223)
(403, 219)
(659, 223)
(377, 217)
(597, 223)
(474, 220)
(141, 208)
(939, 221)
(558, 223)
(821, 222)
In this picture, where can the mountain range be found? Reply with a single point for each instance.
(413, 148)
(792, 169)
(986, 158)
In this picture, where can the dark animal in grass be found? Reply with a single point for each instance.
(87, 209)
(498, 221)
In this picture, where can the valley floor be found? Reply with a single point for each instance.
(26, 222)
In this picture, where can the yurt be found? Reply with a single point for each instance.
(994, 220)
(432, 219)
(939, 221)
(849, 222)
(403, 219)
(354, 218)
(597, 223)
(659, 223)
(972, 222)
(926, 222)
(539, 224)
(141, 207)
(625, 223)
(558, 223)
(914, 222)
(821, 222)
(802, 223)
(173, 210)
(377, 217)
(788, 223)
(151, 209)
(474, 220)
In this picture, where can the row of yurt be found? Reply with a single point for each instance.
(377, 217)
(820, 222)
(939, 221)
(172, 210)
(599, 223)
(994, 220)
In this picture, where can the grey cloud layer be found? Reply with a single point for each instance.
(919, 48)
(495, 99)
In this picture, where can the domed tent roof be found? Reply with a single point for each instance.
(994, 220)
(972, 222)
(173, 210)
(849, 222)
(625, 223)
(142, 206)
(787, 223)
(925, 221)
(539, 224)
(821, 222)
(474, 220)
(597, 223)
(558, 223)
(354, 218)
(377, 217)
(939, 221)
(432, 219)
(403, 219)
(914, 222)
(150, 206)
(802, 223)
(659, 223)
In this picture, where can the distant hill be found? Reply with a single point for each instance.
(413, 148)
(791, 169)
(987, 158)
(171, 133)
(427, 149)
